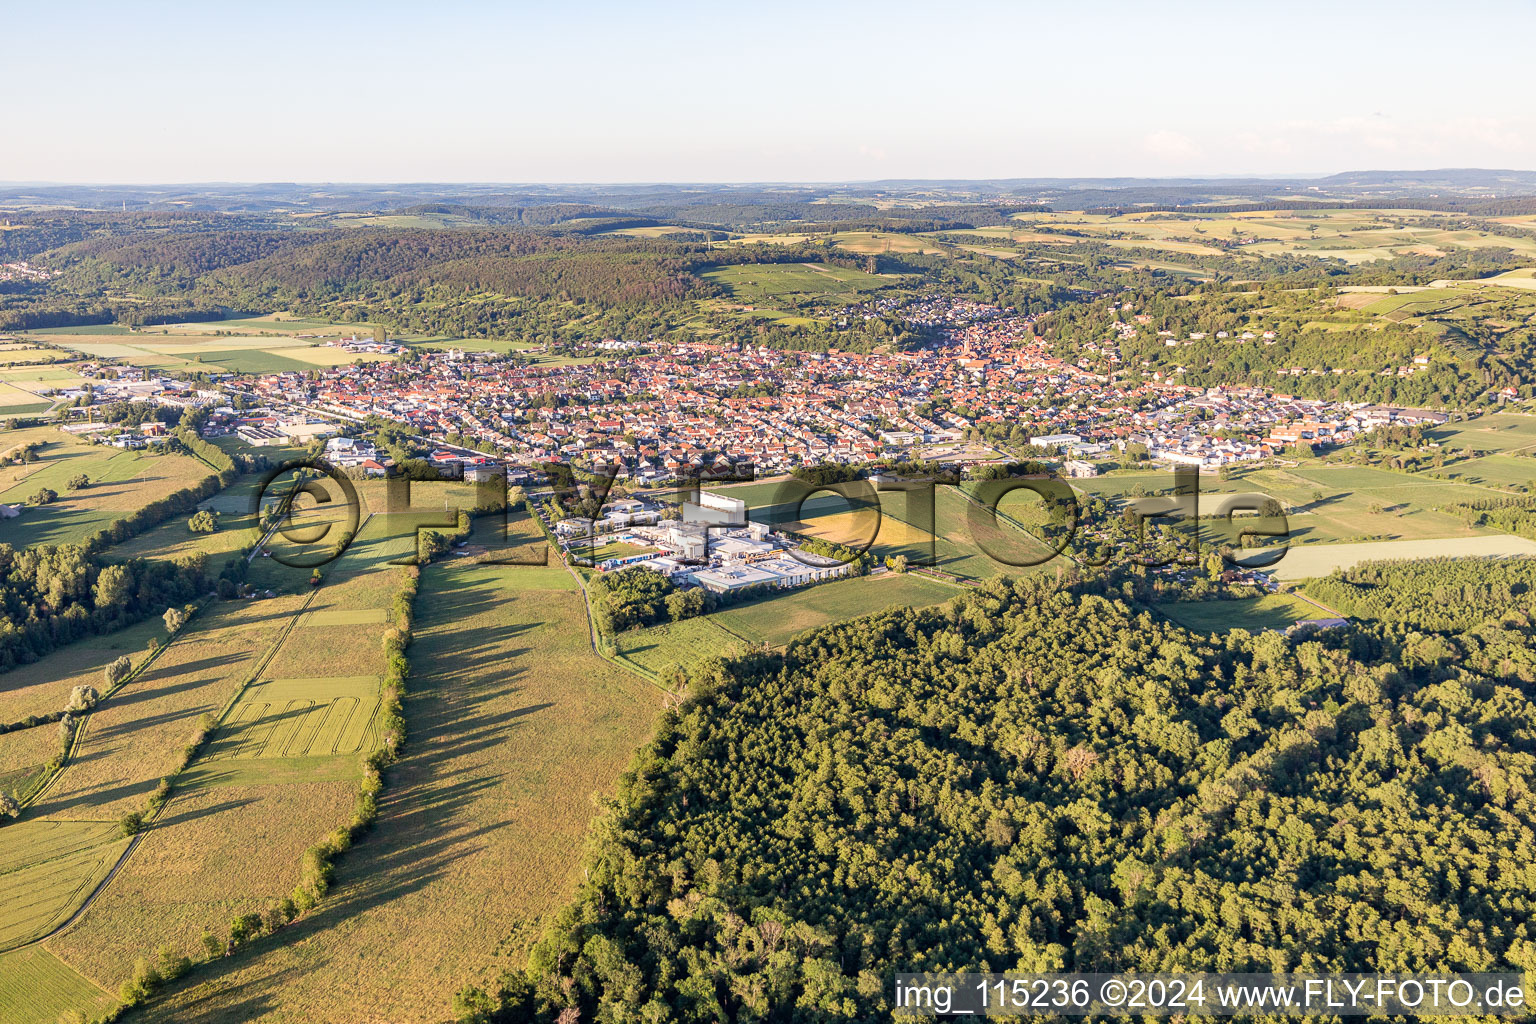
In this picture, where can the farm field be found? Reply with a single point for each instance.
(17, 401)
(1271, 611)
(1351, 235)
(777, 619)
(514, 725)
(121, 482)
(173, 539)
(656, 650)
(26, 355)
(270, 347)
(43, 687)
(131, 740)
(215, 852)
(37, 988)
(23, 753)
(1310, 562)
(278, 773)
(767, 282)
(1324, 504)
(47, 875)
(870, 242)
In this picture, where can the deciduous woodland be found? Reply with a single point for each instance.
(1037, 777)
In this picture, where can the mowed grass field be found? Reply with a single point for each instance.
(121, 482)
(777, 619)
(174, 539)
(279, 772)
(766, 282)
(1324, 504)
(266, 344)
(1320, 560)
(964, 540)
(1500, 432)
(37, 988)
(23, 753)
(43, 687)
(215, 852)
(132, 740)
(514, 724)
(1271, 611)
(658, 650)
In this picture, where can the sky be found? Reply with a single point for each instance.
(455, 91)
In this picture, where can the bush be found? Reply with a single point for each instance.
(172, 964)
(46, 496)
(205, 521)
(82, 698)
(131, 823)
(244, 928)
(116, 671)
(212, 944)
(78, 482)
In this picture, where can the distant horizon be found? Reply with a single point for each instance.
(760, 182)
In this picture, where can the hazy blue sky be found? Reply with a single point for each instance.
(722, 91)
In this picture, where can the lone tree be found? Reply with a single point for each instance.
(78, 482)
(46, 496)
(175, 618)
(116, 671)
(204, 522)
(82, 698)
(9, 807)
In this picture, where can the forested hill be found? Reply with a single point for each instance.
(1038, 780)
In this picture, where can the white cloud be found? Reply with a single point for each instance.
(1167, 145)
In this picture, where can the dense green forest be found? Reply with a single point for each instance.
(1038, 777)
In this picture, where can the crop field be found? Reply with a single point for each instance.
(173, 539)
(132, 739)
(1500, 432)
(172, 349)
(775, 620)
(121, 481)
(766, 282)
(1271, 611)
(1319, 560)
(23, 752)
(1352, 235)
(26, 355)
(215, 851)
(43, 687)
(657, 650)
(1325, 504)
(16, 401)
(33, 841)
(870, 242)
(514, 724)
(37, 988)
(301, 718)
(40, 896)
